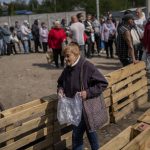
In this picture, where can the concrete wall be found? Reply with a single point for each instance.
(47, 18)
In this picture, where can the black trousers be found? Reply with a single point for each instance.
(37, 44)
(97, 40)
(90, 46)
(109, 48)
(56, 54)
(44, 44)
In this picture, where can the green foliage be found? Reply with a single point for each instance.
(89, 6)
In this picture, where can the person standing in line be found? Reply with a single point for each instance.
(69, 83)
(77, 33)
(125, 50)
(139, 22)
(25, 31)
(6, 38)
(111, 38)
(56, 37)
(18, 32)
(90, 35)
(1, 42)
(36, 35)
(44, 36)
(96, 27)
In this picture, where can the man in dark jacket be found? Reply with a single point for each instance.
(36, 35)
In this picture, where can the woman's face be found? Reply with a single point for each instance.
(70, 58)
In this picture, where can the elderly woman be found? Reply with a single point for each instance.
(56, 37)
(69, 83)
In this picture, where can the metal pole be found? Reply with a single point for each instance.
(148, 8)
(97, 8)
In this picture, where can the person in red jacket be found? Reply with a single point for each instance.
(56, 37)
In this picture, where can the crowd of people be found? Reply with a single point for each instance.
(94, 36)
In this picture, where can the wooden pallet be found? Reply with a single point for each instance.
(128, 90)
(141, 142)
(30, 126)
(130, 139)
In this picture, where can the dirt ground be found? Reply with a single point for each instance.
(24, 78)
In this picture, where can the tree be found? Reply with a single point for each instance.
(33, 5)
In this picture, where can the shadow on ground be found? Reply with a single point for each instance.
(46, 66)
(106, 67)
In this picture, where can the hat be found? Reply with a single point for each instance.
(128, 17)
(25, 21)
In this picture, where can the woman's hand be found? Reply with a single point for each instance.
(83, 94)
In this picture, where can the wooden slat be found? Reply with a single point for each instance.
(124, 72)
(117, 86)
(130, 107)
(30, 138)
(147, 113)
(126, 92)
(10, 119)
(107, 101)
(8, 128)
(107, 93)
(134, 96)
(42, 145)
(145, 117)
(139, 142)
(22, 107)
(119, 141)
(27, 126)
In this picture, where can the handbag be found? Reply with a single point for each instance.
(94, 109)
(135, 37)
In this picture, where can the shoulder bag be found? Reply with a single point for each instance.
(94, 109)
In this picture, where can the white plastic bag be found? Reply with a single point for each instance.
(69, 110)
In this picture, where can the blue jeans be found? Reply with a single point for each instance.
(26, 46)
(77, 137)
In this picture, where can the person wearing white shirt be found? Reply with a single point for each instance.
(25, 31)
(77, 33)
(44, 36)
(139, 22)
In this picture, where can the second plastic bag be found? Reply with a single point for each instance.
(69, 110)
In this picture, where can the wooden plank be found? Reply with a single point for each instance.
(119, 141)
(8, 128)
(22, 107)
(107, 93)
(27, 126)
(147, 113)
(129, 108)
(138, 143)
(107, 101)
(133, 97)
(42, 145)
(129, 90)
(68, 138)
(146, 119)
(121, 84)
(30, 138)
(30, 112)
(124, 72)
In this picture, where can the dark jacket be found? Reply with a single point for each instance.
(35, 31)
(94, 82)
